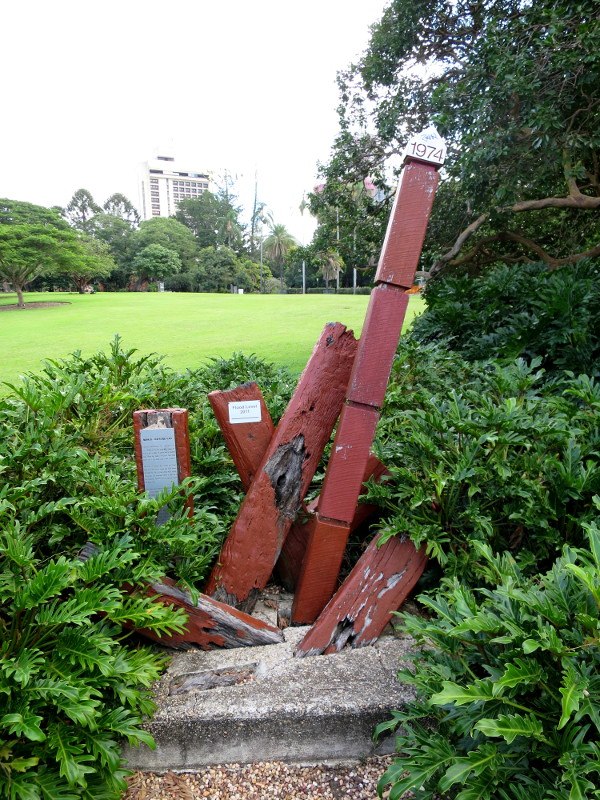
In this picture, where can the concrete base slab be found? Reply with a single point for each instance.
(262, 704)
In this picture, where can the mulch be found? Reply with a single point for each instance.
(31, 306)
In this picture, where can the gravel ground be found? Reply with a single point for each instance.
(268, 780)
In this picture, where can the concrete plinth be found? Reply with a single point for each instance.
(262, 704)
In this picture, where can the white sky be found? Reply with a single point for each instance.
(90, 89)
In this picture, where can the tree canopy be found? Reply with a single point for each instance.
(155, 262)
(81, 208)
(513, 86)
(212, 218)
(169, 233)
(35, 241)
(119, 206)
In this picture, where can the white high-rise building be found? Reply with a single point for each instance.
(164, 183)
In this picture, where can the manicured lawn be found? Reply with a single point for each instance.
(187, 329)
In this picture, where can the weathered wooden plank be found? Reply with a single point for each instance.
(256, 537)
(210, 624)
(408, 223)
(380, 582)
(289, 564)
(325, 544)
(247, 442)
(157, 420)
(347, 463)
(377, 346)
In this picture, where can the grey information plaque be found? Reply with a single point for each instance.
(159, 459)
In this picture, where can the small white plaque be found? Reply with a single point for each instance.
(427, 146)
(244, 411)
(159, 459)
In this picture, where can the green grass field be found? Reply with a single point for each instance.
(187, 329)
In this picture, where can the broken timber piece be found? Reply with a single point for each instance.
(210, 624)
(247, 439)
(380, 582)
(328, 533)
(246, 425)
(288, 466)
(247, 442)
(162, 451)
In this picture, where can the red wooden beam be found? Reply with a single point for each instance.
(247, 439)
(408, 223)
(380, 582)
(255, 540)
(387, 306)
(210, 624)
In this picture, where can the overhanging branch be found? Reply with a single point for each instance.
(575, 200)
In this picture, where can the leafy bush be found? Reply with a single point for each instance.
(508, 683)
(181, 282)
(70, 689)
(480, 454)
(69, 432)
(523, 311)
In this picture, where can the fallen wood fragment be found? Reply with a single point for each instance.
(256, 537)
(380, 582)
(210, 624)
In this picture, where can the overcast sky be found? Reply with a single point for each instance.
(91, 89)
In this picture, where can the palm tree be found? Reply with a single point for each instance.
(277, 245)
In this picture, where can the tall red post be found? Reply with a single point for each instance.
(329, 529)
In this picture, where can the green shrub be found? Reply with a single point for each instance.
(520, 311)
(508, 683)
(359, 290)
(69, 688)
(70, 428)
(478, 453)
(181, 282)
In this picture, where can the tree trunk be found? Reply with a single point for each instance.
(20, 301)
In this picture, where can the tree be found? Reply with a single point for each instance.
(331, 266)
(212, 219)
(119, 206)
(221, 267)
(81, 209)
(95, 261)
(34, 241)
(170, 234)
(513, 87)
(352, 216)
(117, 234)
(155, 262)
(276, 247)
(28, 251)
